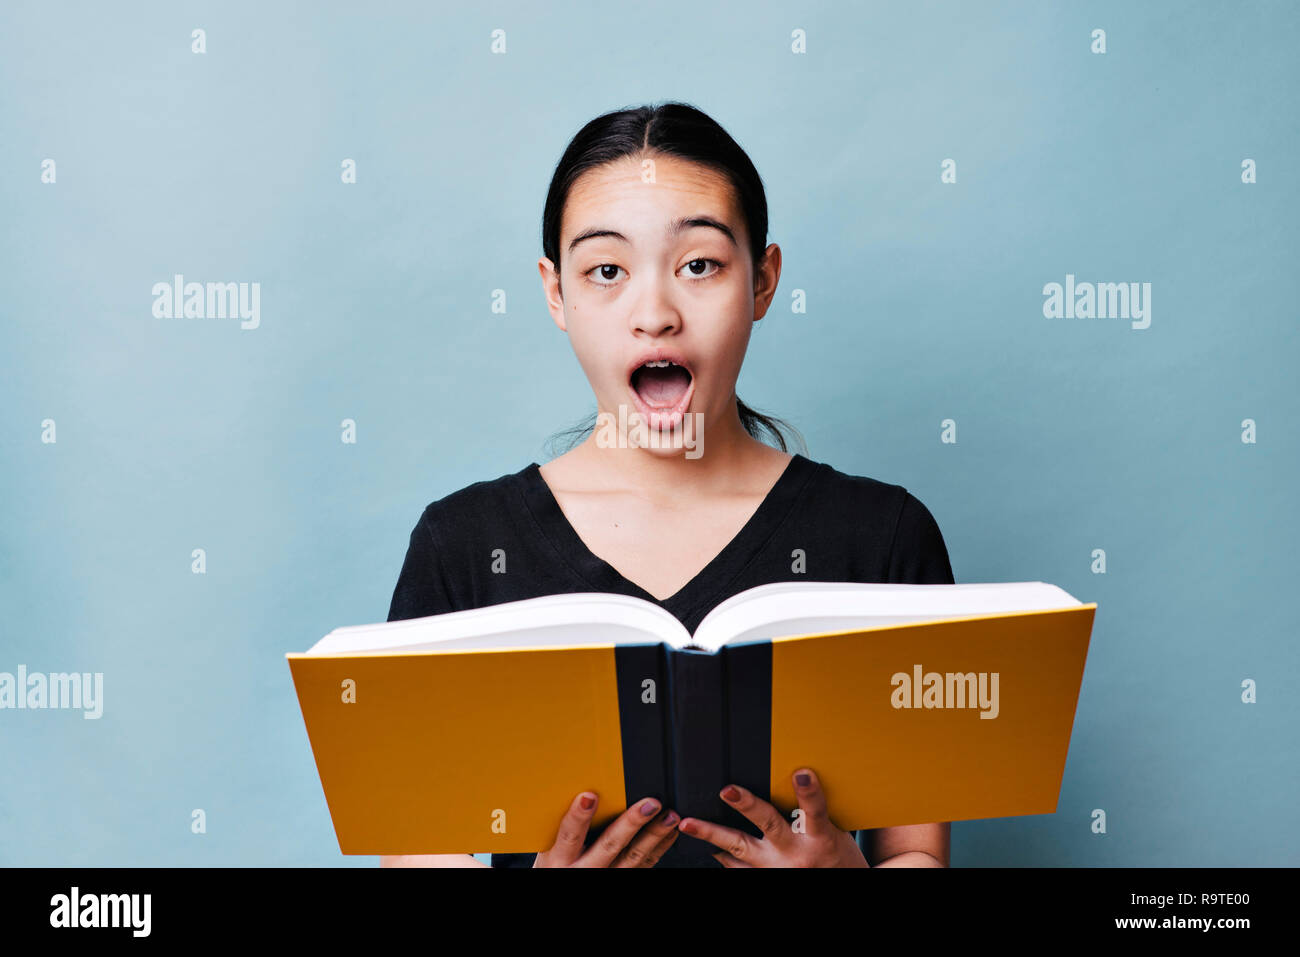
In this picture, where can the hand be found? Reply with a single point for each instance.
(817, 842)
(634, 839)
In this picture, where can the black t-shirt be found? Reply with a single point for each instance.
(507, 539)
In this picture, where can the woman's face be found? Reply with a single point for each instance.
(656, 258)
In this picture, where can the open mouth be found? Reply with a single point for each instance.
(663, 390)
(661, 385)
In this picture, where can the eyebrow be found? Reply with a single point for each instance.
(675, 227)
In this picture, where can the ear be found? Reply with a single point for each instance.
(551, 289)
(767, 273)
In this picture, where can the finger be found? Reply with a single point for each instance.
(636, 856)
(650, 843)
(769, 820)
(736, 843)
(571, 839)
(618, 834)
(667, 842)
(726, 860)
(572, 835)
(812, 801)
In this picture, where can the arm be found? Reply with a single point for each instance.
(919, 556)
(917, 845)
(421, 591)
(430, 860)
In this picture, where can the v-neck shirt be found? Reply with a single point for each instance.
(507, 539)
(699, 594)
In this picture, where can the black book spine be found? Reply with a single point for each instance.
(697, 756)
(693, 722)
(747, 693)
(642, 674)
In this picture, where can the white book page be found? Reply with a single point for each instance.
(580, 618)
(803, 608)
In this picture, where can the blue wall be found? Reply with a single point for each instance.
(925, 303)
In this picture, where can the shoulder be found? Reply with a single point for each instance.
(892, 514)
(861, 495)
(447, 539)
(473, 510)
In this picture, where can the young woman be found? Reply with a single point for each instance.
(654, 240)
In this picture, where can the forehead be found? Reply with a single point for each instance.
(618, 196)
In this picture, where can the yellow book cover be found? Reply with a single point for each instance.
(471, 732)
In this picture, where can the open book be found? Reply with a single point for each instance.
(472, 731)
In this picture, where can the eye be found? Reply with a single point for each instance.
(601, 269)
(701, 262)
(600, 275)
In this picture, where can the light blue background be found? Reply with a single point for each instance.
(925, 303)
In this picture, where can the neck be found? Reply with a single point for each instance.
(730, 455)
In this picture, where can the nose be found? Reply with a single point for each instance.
(655, 314)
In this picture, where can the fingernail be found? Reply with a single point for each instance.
(671, 818)
(687, 825)
(587, 801)
(730, 793)
(649, 807)
(803, 779)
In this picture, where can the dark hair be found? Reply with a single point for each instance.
(674, 129)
